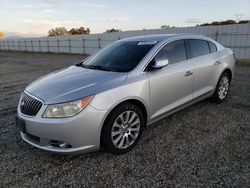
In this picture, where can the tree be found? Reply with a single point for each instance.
(113, 30)
(59, 31)
(228, 22)
(165, 26)
(1, 34)
(216, 23)
(79, 31)
(244, 21)
(82, 30)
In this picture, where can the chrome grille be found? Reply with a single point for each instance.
(29, 105)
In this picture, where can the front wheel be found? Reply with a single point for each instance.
(222, 88)
(122, 129)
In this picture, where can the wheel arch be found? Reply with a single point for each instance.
(229, 72)
(134, 101)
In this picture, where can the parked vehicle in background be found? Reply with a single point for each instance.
(107, 100)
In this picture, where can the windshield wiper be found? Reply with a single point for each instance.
(97, 67)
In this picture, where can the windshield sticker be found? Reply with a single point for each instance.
(147, 43)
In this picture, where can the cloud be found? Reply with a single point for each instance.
(27, 6)
(117, 19)
(7, 2)
(17, 35)
(42, 26)
(50, 1)
(49, 22)
(71, 22)
(94, 5)
(27, 20)
(194, 21)
(38, 26)
(49, 10)
(113, 19)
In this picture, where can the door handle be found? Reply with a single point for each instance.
(188, 73)
(218, 62)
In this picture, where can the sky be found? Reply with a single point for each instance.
(33, 18)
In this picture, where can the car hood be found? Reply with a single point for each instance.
(73, 83)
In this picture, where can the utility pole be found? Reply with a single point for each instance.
(238, 17)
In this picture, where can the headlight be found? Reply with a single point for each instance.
(67, 109)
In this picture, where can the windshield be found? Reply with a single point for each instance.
(119, 56)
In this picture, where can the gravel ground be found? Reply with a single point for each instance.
(204, 145)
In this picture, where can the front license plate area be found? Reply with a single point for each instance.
(20, 123)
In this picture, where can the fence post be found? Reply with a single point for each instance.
(48, 44)
(18, 45)
(13, 45)
(39, 44)
(25, 45)
(31, 42)
(99, 42)
(216, 36)
(8, 44)
(83, 46)
(69, 46)
(58, 46)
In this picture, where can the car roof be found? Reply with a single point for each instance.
(161, 37)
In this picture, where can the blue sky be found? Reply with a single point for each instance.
(36, 17)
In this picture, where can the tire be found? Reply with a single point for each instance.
(119, 134)
(222, 88)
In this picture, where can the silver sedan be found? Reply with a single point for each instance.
(108, 99)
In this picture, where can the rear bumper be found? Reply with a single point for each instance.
(74, 135)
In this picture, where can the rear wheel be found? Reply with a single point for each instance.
(222, 88)
(122, 129)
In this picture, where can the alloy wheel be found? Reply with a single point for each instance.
(223, 87)
(125, 129)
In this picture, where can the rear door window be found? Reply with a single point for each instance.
(198, 47)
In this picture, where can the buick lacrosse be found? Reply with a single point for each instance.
(108, 99)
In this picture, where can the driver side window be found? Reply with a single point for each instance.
(174, 52)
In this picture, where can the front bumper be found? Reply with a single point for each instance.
(73, 135)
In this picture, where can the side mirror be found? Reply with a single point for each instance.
(159, 63)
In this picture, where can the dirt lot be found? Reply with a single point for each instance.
(204, 145)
